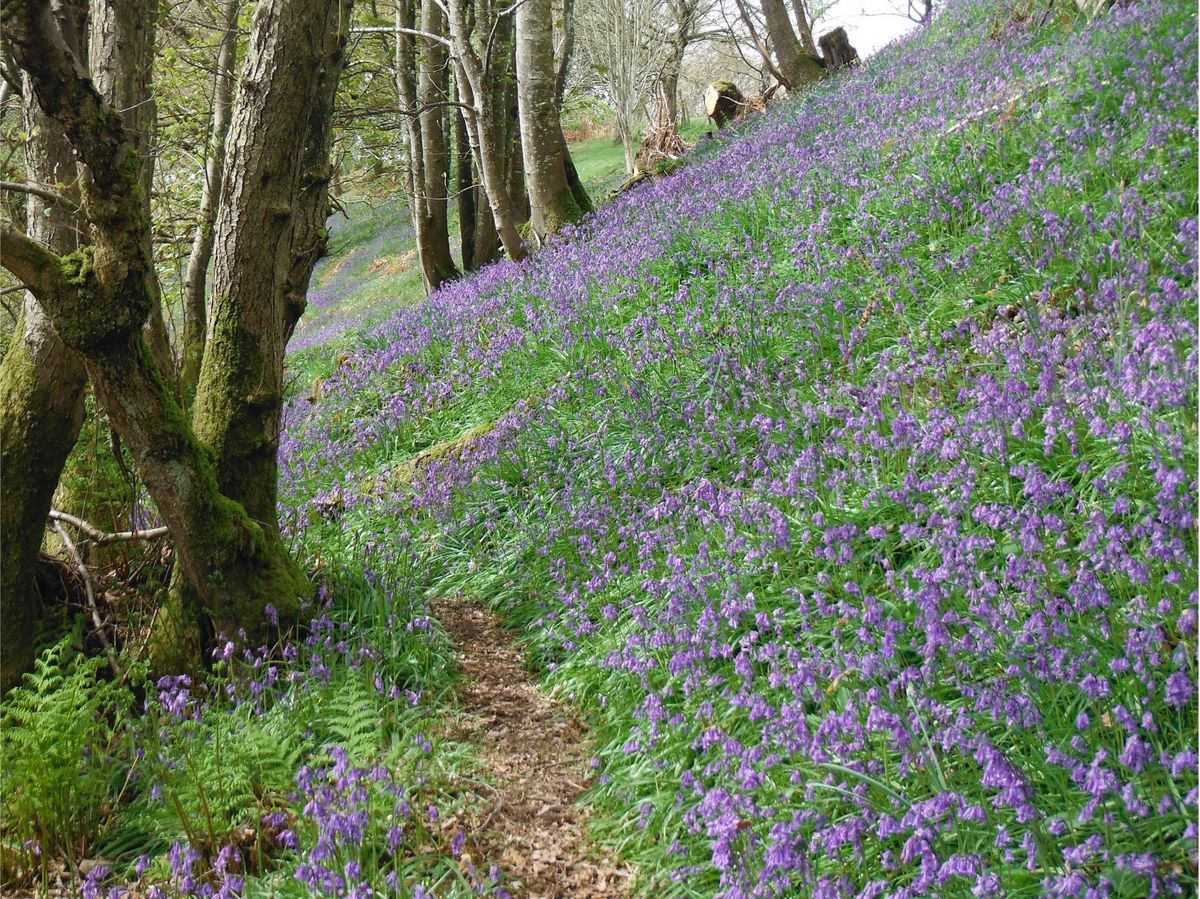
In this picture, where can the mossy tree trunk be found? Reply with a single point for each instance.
(213, 479)
(42, 387)
(120, 52)
(800, 66)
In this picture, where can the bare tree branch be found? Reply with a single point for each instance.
(98, 536)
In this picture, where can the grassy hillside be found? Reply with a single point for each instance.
(845, 478)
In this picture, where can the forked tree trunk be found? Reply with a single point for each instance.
(41, 402)
(799, 66)
(272, 216)
(213, 481)
(195, 282)
(804, 25)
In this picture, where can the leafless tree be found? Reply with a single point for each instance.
(623, 44)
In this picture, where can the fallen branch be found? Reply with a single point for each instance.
(91, 599)
(99, 537)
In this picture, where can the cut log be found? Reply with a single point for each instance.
(723, 102)
(836, 51)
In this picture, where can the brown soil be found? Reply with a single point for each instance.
(534, 751)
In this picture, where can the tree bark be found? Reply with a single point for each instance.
(195, 282)
(41, 397)
(551, 202)
(422, 85)
(508, 119)
(274, 206)
(464, 188)
(804, 24)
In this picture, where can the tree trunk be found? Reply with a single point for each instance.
(121, 45)
(551, 202)
(583, 200)
(563, 55)
(405, 75)
(799, 68)
(508, 123)
(485, 141)
(804, 24)
(464, 188)
(625, 132)
(433, 90)
(274, 207)
(422, 84)
(41, 402)
(195, 282)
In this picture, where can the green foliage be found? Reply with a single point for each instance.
(60, 771)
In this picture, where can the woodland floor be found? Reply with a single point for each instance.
(534, 752)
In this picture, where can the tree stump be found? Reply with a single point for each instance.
(836, 51)
(723, 102)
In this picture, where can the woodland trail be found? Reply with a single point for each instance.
(533, 749)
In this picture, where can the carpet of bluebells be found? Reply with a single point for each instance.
(846, 478)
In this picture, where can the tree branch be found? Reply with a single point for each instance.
(31, 263)
(66, 93)
(99, 537)
(48, 195)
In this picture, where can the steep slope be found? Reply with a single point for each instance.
(845, 479)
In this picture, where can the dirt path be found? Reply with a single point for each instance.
(533, 749)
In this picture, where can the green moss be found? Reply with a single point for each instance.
(86, 315)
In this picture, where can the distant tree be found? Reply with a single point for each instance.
(685, 24)
(622, 43)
